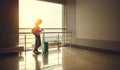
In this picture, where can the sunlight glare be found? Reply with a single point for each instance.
(31, 10)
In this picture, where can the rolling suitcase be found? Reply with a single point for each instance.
(45, 47)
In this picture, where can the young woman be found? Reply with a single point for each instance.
(36, 30)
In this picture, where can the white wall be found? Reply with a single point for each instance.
(70, 17)
(98, 19)
(94, 23)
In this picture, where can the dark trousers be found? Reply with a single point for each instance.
(37, 42)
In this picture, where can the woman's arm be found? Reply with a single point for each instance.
(40, 31)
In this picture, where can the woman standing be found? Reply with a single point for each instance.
(36, 30)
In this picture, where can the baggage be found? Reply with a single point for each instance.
(45, 47)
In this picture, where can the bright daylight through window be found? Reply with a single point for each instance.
(30, 10)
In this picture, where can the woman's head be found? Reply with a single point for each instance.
(38, 22)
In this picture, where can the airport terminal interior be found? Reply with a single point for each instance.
(89, 38)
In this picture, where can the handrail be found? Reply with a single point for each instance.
(46, 28)
(24, 32)
(42, 32)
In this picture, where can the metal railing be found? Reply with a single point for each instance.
(56, 35)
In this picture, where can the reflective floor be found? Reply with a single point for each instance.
(65, 59)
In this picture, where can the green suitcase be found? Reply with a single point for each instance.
(45, 47)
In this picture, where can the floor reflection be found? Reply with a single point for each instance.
(31, 61)
(65, 59)
(45, 59)
(37, 62)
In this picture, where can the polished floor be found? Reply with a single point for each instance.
(65, 59)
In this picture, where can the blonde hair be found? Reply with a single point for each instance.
(39, 21)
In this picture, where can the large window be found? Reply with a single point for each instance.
(31, 10)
